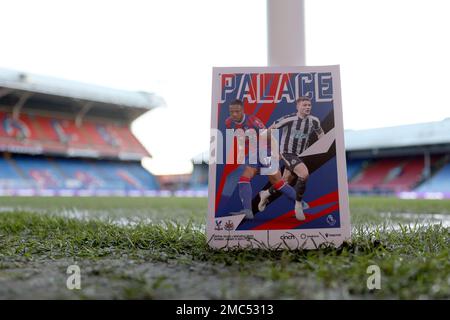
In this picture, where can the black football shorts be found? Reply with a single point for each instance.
(291, 160)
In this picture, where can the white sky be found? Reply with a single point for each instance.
(394, 57)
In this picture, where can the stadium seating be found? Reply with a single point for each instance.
(69, 133)
(124, 134)
(389, 175)
(107, 174)
(19, 129)
(439, 182)
(59, 135)
(136, 171)
(78, 174)
(37, 172)
(353, 168)
(128, 175)
(10, 177)
(373, 175)
(409, 174)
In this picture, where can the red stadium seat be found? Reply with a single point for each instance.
(411, 173)
(20, 129)
(132, 144)
(59, 135)
(374, 175)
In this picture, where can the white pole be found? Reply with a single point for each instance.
(285, 33)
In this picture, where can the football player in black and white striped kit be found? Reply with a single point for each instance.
(296, 131)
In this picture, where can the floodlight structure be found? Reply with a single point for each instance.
(285, 33)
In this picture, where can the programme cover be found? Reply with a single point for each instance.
(277, 171)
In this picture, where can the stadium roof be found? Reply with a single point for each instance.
(102, 100)
(414, 135)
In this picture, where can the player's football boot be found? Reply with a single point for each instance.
(299, 215)
(264, 195)
(305, 205)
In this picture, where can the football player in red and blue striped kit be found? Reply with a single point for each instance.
(239, 120)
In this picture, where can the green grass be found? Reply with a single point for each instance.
(163, 253)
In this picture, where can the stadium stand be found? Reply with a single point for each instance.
(389, 175)
(403, 160)
(375, 174)
(404, 177)
(70, 138)
(60, 135)
(37, 172)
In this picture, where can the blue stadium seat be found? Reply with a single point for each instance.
(439, 182)
(37, 172)
(80, 174)
(133, 175)
(10, 177)
(109, 174)
(353, 168)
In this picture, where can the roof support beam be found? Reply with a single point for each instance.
(19, 105)
(427, 165)
(80, 115)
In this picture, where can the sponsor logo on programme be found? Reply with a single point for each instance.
(229, 225)
(290, 240)
(332, 234)
(331, 220)
(218, 226)
(287, 236)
